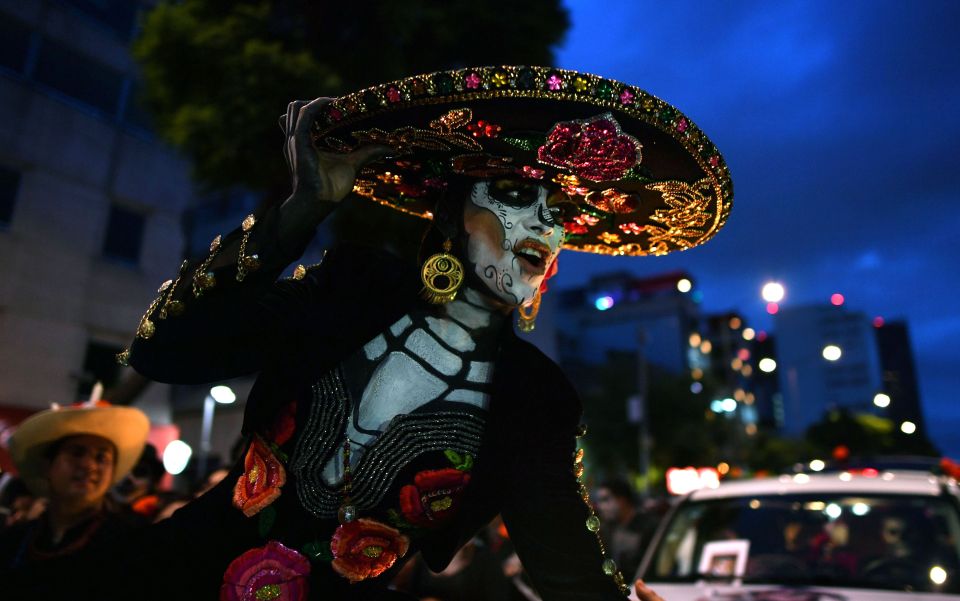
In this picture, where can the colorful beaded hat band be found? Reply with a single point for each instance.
(642, 178)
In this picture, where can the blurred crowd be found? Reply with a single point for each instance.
(80, 491)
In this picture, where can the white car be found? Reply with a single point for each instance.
(842, 536)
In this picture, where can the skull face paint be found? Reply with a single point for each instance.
(513, 235)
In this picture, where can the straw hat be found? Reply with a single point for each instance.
(125, 427)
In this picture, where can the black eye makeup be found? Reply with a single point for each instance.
(561, 206)
(514, 193)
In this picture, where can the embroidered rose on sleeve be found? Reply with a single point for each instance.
(365, 548)
(269, 572)
(259, 484)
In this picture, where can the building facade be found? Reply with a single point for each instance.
(90, 202)
(814, 378)
(899, 374)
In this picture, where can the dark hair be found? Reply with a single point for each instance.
(447, 219)
(15, 488)
(149, 465)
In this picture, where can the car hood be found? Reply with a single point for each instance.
(707, 592)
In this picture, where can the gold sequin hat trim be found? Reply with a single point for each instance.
(642, 177)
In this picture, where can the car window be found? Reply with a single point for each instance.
(885, 542)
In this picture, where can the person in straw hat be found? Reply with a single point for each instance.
(396, 411)
(72, 456)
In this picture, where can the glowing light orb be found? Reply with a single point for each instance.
(832, 352)
(603, 303)
(223, 394)
(176, 456)
(773, 292)
(938, 575)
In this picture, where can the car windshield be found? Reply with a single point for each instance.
(885, 542)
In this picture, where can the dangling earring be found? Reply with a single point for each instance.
(442, 275)
(528, 315)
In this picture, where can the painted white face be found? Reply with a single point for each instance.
(512, 237)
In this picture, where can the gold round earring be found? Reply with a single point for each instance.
(528, 315)
(442, 275)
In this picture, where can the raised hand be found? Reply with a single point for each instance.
(319, 176)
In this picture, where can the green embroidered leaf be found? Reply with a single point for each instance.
(467, 464)
(525, 142)
(279, 454)
(435, 167)
(395, 519)
(318, 550)
(453, 457)
(268, 515)
(638, 173)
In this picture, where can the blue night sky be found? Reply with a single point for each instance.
(839, 124)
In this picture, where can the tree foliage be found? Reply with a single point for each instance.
(679, 431)
(218, 73)
(865, 435)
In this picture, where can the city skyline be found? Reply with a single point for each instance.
(835, 123)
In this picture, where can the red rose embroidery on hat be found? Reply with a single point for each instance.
(595, 149)
(434, 496)
(269, 572)
(260, 483)
(365, 548)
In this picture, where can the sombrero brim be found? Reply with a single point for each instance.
(644, 178)
(125, 427)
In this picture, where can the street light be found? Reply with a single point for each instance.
(176, 456)
(767, 365)
(223, 394)
(832, 352)
(881, 400)
(218, 394)
(908, 427)
(773, 292)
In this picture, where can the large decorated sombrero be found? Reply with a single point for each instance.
(642, 177)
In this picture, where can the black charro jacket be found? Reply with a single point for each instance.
(290, 332)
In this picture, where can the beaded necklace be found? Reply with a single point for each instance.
(348, 511)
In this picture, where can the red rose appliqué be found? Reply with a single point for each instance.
(595, 149)
(259, 484)
(269, 572)
(433, 497)
(365, 548)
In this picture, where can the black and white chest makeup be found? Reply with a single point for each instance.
(425, 357)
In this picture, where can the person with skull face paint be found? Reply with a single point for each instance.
(395, 408)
